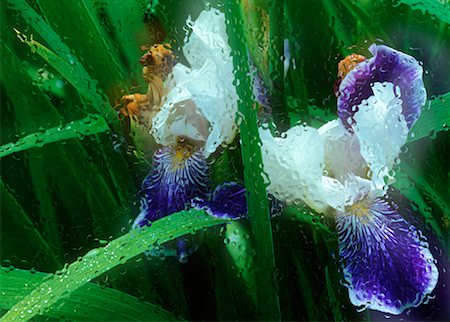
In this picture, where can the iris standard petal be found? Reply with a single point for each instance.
(381, 130)
(206, 88)
(386, 260)
(178, 176)
(294, 165)
(342, 151)
(387, 65)
(227, 201)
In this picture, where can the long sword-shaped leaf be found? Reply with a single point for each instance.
(267, 296)
(100, 260)
(75, 75)
(90, 302)
(90, 125)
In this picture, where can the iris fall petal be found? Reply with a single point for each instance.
(227, 201)
(386, 260)
(173, 183)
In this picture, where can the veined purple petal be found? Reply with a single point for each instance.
(227, 201)
(172, 184)
(387, 65)
(387, 262)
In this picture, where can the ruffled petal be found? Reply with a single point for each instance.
(341, 151)
(381, 130)
(386, 260)
(227, 201)
(387, 65)
(294, 166)
(173, 183)
(204, 94)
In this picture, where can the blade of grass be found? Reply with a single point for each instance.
(89, 302)
(99, 260)
(267, 294)
(90, 125)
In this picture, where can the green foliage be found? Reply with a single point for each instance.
(90, 125)
(69, 184)
(99, 260)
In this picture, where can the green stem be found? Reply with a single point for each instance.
(268, 306)
(100, 260)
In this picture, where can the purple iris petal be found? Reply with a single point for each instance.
(387, 262)
(387, 65)
(172, 184)
(227, 201)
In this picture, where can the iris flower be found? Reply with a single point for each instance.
(197, 117)
(345, 168)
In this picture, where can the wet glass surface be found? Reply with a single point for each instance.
(225, 160)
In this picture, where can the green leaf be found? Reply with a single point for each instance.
(267, 295)
(89, 302)
(17, 217)
(90, 125)
(99, 260)
(335, 304)
(76, 76)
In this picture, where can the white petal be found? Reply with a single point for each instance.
(342, 151)
(206, 88)
(294, 165)
(381, 129)
(208, 40)
(179, 117)
(334, 192)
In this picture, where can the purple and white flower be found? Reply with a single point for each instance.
(197, 117)
(345, 168)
